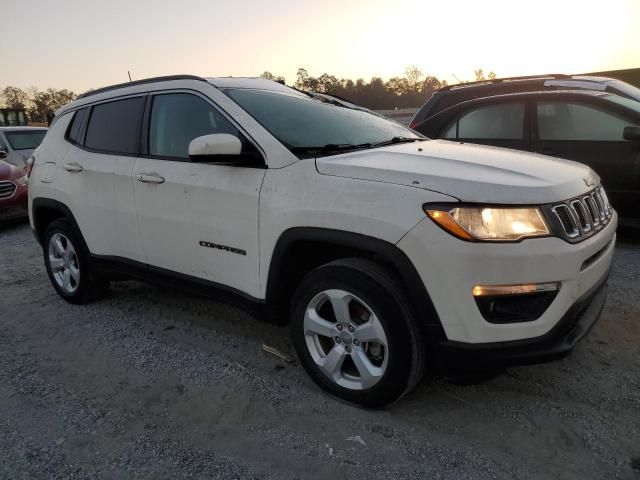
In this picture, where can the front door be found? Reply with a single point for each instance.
(590, 135)
(198, 219)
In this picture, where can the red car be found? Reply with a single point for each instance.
(13, 192)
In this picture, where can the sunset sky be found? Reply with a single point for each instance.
(80, 44)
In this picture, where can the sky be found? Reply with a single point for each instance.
(82, 44)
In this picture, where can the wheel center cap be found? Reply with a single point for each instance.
(346, 338)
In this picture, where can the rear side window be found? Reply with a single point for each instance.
(178, 118)
(573, 121)
(73, 133)
(493, 122)
(114, 127)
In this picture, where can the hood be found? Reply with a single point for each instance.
(471, 173)
(9, 172)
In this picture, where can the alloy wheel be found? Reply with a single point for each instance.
(346, 339)
(64, 264)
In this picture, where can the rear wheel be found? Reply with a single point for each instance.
(355, 332)
(68, 265)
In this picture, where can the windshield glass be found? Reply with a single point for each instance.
(624, 101)
(25, 139)
(301, 122)
(625, 89)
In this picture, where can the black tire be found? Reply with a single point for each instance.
(90, 286)
(381, 291)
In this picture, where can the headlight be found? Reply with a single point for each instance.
(22, 181)
(497, 224)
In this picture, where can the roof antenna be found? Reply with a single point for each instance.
(129, 73)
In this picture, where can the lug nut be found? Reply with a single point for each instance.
(351, 329)
(339, 327)
(337, 339)
(348, 349)
(356, 342)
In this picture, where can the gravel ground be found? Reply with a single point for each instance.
(151, 383)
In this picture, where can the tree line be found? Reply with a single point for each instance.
(40, 105)
(408, 91)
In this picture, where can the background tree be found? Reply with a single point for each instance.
(479, 73)
(14, 97)
(45, 103)
(414, 76)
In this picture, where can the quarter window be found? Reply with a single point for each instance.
(76, 123)
(493, 122)
(115, 126)
(178, 118)
(573, 121)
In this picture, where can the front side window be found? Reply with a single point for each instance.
(574, 121)
(178, 118)
(114, 127)
(25, 139)
(493, 122)
(301, 122)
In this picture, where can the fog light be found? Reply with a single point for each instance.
(514, 303)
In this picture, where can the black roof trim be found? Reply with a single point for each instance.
(141, 82)
(551, 76)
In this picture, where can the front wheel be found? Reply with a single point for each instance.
(355, 332)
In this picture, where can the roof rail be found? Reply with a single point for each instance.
(555, 76)
(140, 82)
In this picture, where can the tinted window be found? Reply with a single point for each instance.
(76, 123)
(26, 139)
(178, 118)
(573, 121)
(114, 127)
(498, 122)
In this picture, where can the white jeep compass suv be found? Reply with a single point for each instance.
(387, 253)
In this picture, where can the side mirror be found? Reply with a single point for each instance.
(3, 154)
(631, 133)
(217, 146)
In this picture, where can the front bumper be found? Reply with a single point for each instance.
(450, 268)
(15, 206)
(558, 342)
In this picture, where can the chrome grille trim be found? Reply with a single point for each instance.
(568, 221)
(583, 216)
(7, 189)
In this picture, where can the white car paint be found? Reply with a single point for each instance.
(377, 192)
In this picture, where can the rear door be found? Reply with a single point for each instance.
(198, 219)
(503, 124)
(590, 134)
(96, 175)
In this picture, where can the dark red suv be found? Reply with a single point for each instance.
(13, 192)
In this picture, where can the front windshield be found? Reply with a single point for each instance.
(25, 139)
(625, 89)
(302, 123)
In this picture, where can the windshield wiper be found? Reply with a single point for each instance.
(331, 148)
(395, 140)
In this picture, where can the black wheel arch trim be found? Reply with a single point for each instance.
(50, 204)
(388, 252)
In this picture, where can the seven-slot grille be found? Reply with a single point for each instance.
(582, 216)
(7, 189)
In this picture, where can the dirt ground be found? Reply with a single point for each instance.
(151, 383)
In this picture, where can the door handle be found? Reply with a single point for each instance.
(149, 178)
(73, 167)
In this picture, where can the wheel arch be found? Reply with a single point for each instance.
(45, 211)
(300, 249)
